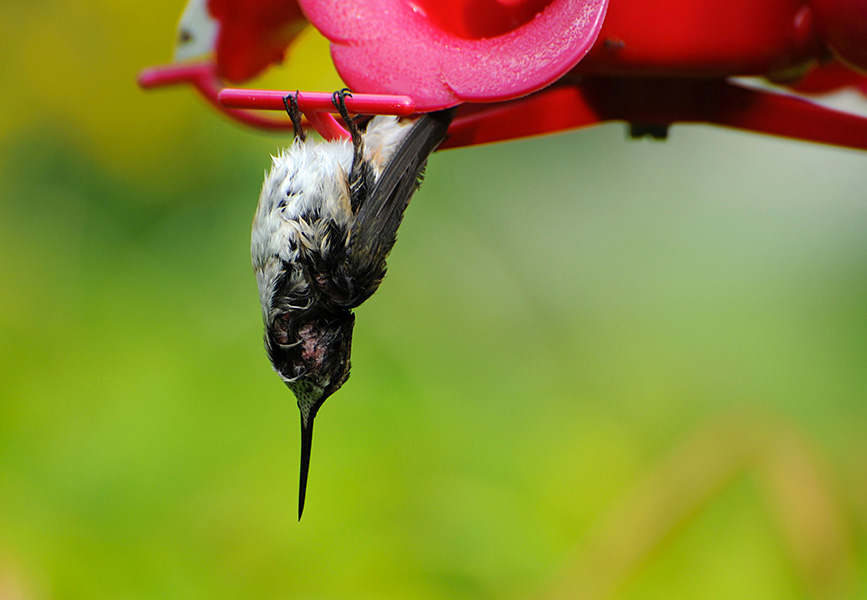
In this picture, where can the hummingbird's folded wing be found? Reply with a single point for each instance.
(380, 215)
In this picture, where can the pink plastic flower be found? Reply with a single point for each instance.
(443, 53)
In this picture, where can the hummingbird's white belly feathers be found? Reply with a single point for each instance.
(306, 187)
(306, 191)
(307, 182)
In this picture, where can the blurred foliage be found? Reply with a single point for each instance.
(598, 368)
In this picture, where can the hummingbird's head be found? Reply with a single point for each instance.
(310, 350)
(311, 354)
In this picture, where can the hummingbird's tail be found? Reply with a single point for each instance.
(306, 443)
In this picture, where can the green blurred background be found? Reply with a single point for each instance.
(597, 368)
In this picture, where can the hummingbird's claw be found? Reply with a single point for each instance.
(290, 102)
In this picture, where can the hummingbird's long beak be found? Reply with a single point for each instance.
(306, 444)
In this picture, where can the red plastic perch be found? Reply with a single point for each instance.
(317, 106)
(360, 104)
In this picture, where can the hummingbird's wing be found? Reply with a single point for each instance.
(380, 214)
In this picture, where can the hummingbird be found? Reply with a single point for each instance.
(327, 219)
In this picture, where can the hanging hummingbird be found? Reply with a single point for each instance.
(327, 218)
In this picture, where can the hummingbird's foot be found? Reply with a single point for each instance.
(338, 99)
(359, 166)
(290, 102)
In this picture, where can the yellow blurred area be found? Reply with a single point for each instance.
(73, 65)
(598, 368)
